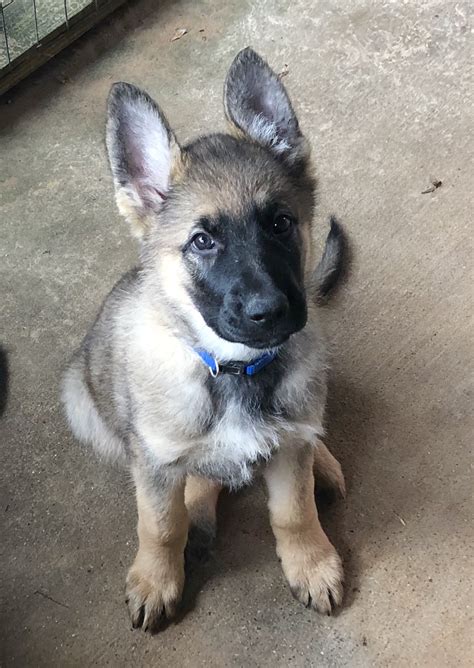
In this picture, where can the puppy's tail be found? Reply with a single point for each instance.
(333, 265)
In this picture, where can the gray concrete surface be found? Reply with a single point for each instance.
(383, 93)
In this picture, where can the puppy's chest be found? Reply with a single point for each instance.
(243, 428)
(225, 427)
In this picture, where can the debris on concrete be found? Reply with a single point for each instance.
(435, 184)
(179, 32)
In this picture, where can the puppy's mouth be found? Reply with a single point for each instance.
(269, 340)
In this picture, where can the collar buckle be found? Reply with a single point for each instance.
(234, 368)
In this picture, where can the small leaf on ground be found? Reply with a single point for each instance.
(178, 33)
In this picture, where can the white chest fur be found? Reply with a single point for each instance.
(178, 424)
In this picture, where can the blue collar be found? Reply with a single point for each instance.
(236, 368)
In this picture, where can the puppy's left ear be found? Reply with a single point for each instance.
(258, 107)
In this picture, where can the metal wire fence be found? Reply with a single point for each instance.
(32, 31)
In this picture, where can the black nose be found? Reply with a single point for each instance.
(266, 309)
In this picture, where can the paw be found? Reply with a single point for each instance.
(315, 579)
(153, 594)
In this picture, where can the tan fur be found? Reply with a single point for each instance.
(139, 223)
(156, 579)
(201, 495)
(178, 162)
(232, 128)
(310, 563)
(327, 469)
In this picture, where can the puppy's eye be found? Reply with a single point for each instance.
(203, 242)
(282, 224)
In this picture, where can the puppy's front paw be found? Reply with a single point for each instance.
(153, 592)
(315, 575)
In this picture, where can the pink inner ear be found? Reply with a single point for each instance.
(150, 195)
(158, 192)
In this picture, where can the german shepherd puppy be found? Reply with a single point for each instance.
(206, 362)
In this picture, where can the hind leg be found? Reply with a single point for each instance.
(327, 469)
(201, 495)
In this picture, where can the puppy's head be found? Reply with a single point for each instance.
(225, 221)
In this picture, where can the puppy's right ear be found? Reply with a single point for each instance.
(142, 152)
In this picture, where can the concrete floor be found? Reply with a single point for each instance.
(382, 89)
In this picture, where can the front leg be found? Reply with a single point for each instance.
(156, 579)
(310, 563)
